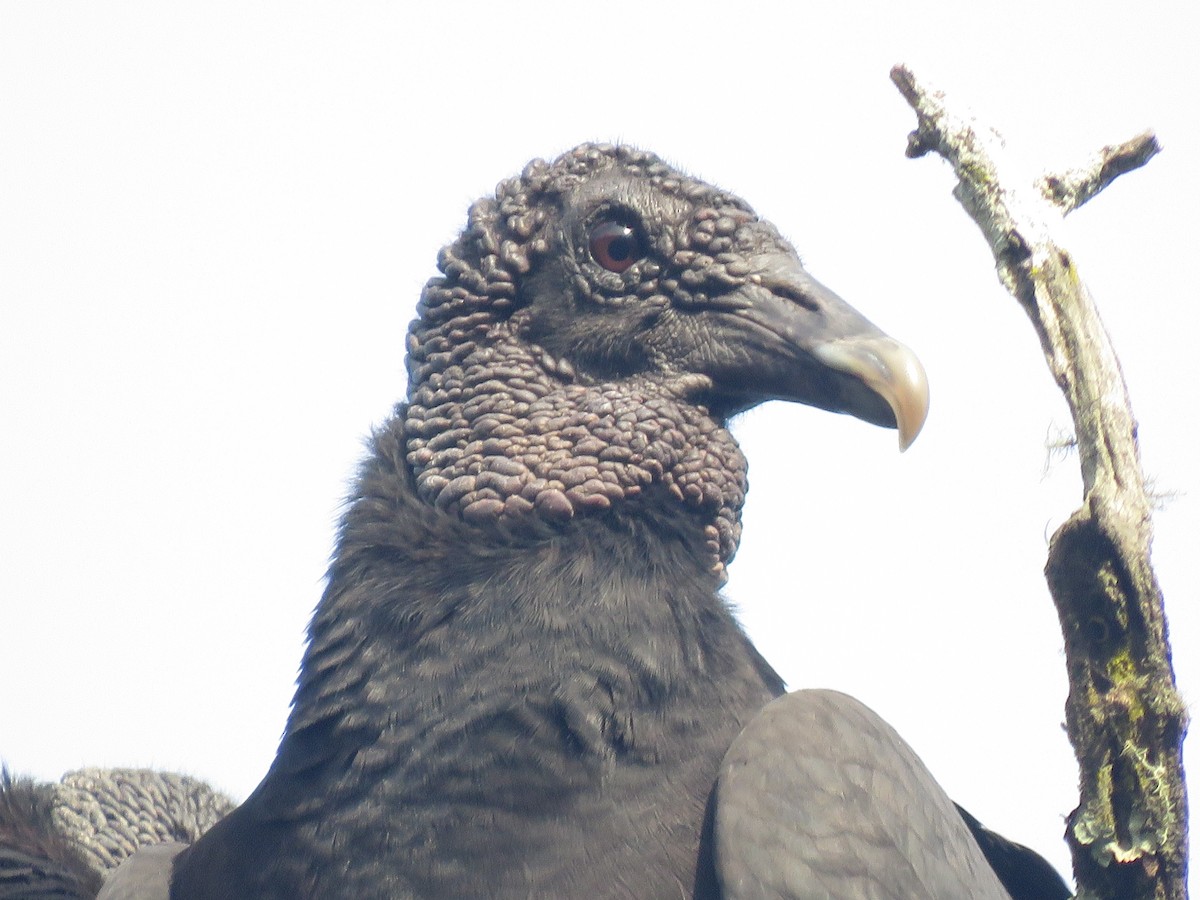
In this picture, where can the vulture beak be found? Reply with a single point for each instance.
(892, 371)
(797, 340)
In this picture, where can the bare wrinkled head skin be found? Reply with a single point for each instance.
(594, 328)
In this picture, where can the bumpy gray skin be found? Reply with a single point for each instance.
(522, 679)
(109, 813)
(59, 840)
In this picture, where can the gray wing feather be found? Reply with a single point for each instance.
(146, 875)
(820, 798)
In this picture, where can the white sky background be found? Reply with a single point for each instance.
(214, 224)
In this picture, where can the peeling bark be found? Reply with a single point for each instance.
(1125, 718)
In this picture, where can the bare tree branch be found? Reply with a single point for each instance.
(1125, 718)
(1070, 190)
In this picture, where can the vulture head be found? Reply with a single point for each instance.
(599, 320)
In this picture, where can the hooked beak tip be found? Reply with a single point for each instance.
(891, 371)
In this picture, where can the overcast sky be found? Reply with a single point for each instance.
(215, 220)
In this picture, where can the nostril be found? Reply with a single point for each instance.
(783, 276)
(790, 291)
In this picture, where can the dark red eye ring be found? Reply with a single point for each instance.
(615, 245)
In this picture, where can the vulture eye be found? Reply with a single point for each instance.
(615, 245)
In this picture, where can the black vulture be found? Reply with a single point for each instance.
(37, 860)
(57, 840)
(522, 679)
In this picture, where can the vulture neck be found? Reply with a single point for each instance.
(554, 674)
(619, 603)
(502, 433)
